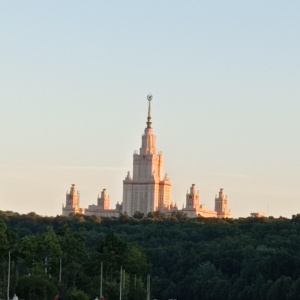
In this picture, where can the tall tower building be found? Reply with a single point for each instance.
(192, 198)
(103, 202)
(148, 189)
(221, 205)
(72, 202)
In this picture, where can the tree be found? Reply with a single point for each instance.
(115, 253)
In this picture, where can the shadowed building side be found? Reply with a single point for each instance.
(222, 205)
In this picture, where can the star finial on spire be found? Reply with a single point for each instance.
(149, 97)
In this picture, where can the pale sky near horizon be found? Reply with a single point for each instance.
(224, 75)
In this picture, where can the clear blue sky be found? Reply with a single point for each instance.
(74, 76)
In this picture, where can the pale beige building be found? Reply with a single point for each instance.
(101, 209)
(221, 205)
(148, 189)
(193, 208)
(72, 202)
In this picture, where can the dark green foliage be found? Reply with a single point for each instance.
(35, 287)
(76, 295)
(115, 254)
(187, 258)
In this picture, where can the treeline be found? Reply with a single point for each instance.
(186, 258)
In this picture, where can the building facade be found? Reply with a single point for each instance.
(221, 205)
(72, 205)
(148, 189)
(101, 209)
(193, 208)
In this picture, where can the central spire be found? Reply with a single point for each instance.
(149, 97)
(148, 138)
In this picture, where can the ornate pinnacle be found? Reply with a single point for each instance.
(149, 98)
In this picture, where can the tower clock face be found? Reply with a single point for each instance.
(190, 197)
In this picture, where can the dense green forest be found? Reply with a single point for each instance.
(191, 259)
